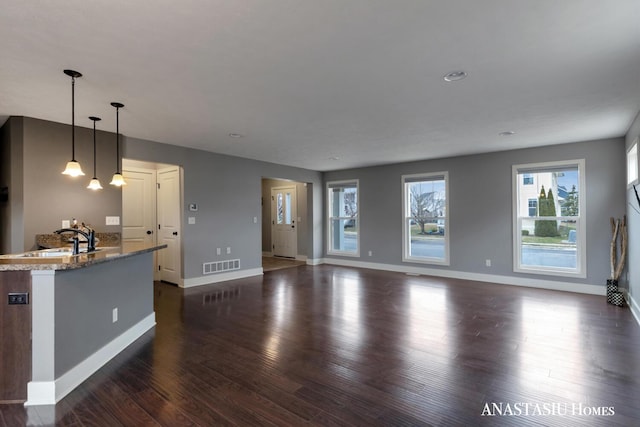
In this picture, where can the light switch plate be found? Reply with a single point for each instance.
(113, 220)
(192, 220)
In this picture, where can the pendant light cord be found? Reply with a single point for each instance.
(94, 149)
(118, 139)
(73, 118)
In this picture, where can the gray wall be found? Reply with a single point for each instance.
(481, 206)
(85, 299)
(47, 196)
(633, 218)
(301, 206)
(228, 192)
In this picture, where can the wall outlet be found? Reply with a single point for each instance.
(218, 251)
(192, 220)
(112, 220)
(18, 298)
(370, 253)
(66, 223)
(114, 315)
(487, 263)
(255, 219)
(228, 250)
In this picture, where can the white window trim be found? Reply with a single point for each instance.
(634, 181)
(406, 242)
(329, 249)
(581, 258)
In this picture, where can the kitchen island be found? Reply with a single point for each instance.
(84, 310)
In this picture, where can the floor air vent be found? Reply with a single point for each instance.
(220, 266)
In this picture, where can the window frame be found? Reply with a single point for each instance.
(529, 207)
(329, 236)
(406, 216)
(581, 227)
(632, 158)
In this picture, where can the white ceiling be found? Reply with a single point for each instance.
(309, 81)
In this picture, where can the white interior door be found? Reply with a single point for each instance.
(169, 230)
(138, 207)
(284, 233)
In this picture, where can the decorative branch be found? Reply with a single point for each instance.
(623, 248)
(618, 229)
(615, 226)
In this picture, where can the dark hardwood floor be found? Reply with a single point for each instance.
(330, 345)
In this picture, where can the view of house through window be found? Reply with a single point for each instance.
(549, 234)
(425, 213)
(343, 227)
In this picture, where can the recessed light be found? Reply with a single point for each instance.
(235, 135)
(507, 133)
(454, 76)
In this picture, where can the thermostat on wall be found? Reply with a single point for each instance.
(193, 207)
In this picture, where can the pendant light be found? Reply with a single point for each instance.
(95, 182)
(73, 167)
(117, 179)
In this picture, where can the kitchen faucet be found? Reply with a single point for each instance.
(90, 236)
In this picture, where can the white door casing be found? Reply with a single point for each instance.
(284, 235)
(169, 221)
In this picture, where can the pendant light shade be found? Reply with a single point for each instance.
(73, 167)
(118, 179)
(95, 182)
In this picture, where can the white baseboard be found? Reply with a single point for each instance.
(634, 307)
(480, 277)
(315, 261)
(267, 254)
(50, 392)
(221, 277)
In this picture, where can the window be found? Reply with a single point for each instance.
(343, 216)
(527, 179)
(533, 207)
(632, 164)
(549, 231)
(425, 226)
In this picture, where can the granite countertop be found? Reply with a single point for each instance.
(70, 262)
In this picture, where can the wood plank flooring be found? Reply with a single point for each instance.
(326, 345)
(276, 263)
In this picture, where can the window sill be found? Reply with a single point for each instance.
(340, 253)
(551, 272)
(432, 261)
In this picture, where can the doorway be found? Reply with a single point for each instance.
(285, 226)
(284, 235)
(151, 203)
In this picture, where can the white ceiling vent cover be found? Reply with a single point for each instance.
(220, 266)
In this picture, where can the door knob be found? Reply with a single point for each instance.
(175, 233)
(149, 232)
